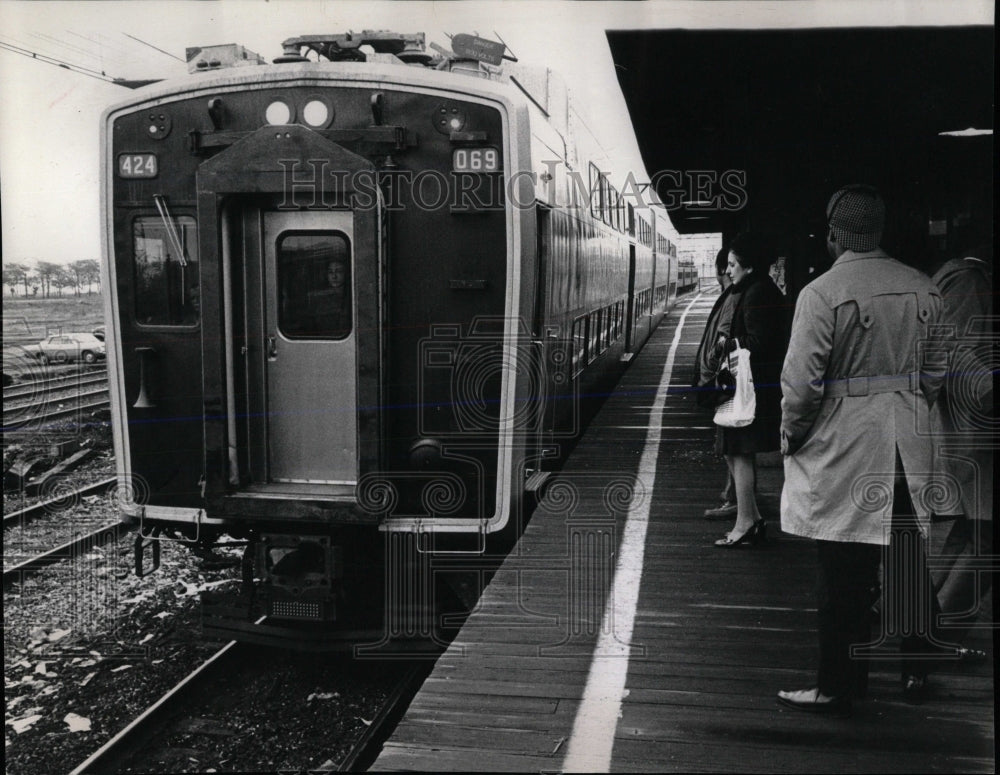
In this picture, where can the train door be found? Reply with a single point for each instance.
(631, 335)
(310, 362)
(291, 398)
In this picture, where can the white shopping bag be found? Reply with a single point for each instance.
(739, 410)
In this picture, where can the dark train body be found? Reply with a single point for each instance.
(478, 297)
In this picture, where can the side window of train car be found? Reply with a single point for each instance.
(314, 285)
(594, 326)
(579, 344)
(605, 328)
(165, 266)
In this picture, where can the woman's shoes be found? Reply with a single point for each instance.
(756, 532)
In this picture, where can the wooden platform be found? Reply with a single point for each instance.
(715, 632)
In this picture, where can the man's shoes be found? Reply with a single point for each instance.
(811, 701)
(725, 511)
(914, 688)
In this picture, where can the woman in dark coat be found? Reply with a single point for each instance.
(760, 323)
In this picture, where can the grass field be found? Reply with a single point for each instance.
(28, 321)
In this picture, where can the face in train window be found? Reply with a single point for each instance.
(165, 256)
(314, 285)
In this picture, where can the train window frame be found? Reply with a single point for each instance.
(311, 289)
(183, 218)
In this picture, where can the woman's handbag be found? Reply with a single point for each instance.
(739, 411)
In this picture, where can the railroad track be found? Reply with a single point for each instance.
(77, 547)
(44, 417)
(58, 503)
(37, 402)
(38, 390)
(134, 748)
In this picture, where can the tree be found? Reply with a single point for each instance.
(88, 271)
(47, 272)
(64, 277)
(16, 273)
(74, 269)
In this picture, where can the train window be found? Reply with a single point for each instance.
(605, 328)
(595, 192)
(314, 285)
(166, 271)
(579, 344)
(593, 337)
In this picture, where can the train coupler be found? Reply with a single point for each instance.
(143, 542)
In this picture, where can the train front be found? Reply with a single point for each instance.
(314, 276)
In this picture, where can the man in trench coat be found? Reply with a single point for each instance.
(855, 397)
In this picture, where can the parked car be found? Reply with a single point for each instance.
(63, 348)
(99, 332)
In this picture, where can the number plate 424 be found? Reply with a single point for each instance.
(137, 165)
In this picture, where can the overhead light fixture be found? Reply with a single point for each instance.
(969, 132)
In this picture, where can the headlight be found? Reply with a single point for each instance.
(278, 113)
(316, 113)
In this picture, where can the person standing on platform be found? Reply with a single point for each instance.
(759, 324)
(963, 420)
(707, 361)
(854, 397)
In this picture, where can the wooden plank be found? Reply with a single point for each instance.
(490, 704)
(531, 743)
(395, 757)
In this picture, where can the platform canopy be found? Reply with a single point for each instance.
(802, 111)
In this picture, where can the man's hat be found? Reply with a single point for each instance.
(856, 215)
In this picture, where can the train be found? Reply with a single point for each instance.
(359, 301)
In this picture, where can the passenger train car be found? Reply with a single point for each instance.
(359, 295)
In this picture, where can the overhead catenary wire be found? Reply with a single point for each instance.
(108, 52)
(99, 75)
(155, 48)
(53, 41)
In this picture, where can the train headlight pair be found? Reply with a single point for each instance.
(315, 113)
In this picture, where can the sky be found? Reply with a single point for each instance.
(50, 117)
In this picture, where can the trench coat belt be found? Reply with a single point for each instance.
(866, 386)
